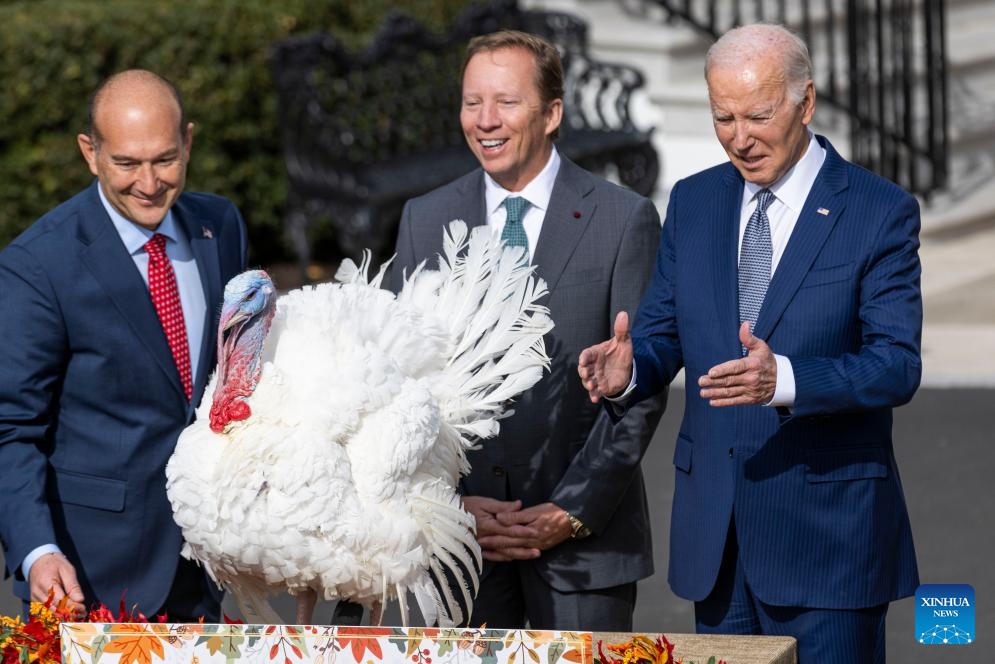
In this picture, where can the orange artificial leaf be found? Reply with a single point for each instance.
(215, 644)
(573, 655)
(362, 639)
(274, 651)
(136, 649)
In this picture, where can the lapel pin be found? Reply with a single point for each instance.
(823, 211)
(576, 214)
(206, 232)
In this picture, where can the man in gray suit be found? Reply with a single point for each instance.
(558, 497)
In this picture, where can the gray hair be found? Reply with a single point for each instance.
(757, 40)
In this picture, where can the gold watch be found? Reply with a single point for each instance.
(580, 531)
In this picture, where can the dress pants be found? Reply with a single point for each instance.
(512, 595)
(824, 635)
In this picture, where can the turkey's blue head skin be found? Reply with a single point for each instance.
(246, 314)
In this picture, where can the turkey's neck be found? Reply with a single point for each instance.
(240, 364)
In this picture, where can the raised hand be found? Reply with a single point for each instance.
(746, 381)
(606, 368)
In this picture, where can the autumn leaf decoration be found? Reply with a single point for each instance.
(132, 642)
(359, 641)
(640, 649)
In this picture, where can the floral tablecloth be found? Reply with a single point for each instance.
(151, 643)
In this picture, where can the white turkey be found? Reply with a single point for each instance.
(326, 453)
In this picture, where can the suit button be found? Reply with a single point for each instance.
(730, 452)
(498, 470)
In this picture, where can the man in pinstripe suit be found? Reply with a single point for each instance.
(788, 515)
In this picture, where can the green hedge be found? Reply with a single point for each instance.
(53, 53)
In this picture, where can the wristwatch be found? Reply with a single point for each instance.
(580, 531)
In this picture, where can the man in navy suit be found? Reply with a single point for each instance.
(788, 514)
(93, 395)
(558, 496)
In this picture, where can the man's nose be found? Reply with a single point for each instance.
(742, 135)
(489, 117)
(148, 180)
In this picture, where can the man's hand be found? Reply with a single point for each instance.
(606, 369)
(746, 381)
(53, 572)
(491, 530)
(531, 531)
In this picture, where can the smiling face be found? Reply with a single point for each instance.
(138, 152)
(761, 129)
(505, 122)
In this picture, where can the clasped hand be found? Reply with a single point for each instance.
(506, 532)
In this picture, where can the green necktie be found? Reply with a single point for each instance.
(513, 234)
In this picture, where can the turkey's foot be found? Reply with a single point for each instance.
(305, 606)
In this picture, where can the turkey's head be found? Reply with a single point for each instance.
(246, 314)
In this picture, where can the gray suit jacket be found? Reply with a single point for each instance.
(596, 253)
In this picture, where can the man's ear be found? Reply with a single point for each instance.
(88, 146)
(554, 115)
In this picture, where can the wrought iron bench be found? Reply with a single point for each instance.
(363, 132)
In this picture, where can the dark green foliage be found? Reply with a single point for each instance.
(53, 53)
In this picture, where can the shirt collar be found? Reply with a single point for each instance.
(133, 235)
(537, 192)
(793, 187)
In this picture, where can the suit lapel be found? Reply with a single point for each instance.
(725, 258)
(471, 205)
(201, 234)
(107, 259)
(570, 211)
(823, 207)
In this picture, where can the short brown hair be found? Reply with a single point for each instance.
(549, 69)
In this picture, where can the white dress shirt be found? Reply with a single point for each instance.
(790, 193)
(537, 193)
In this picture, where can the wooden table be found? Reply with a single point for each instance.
(698, 648)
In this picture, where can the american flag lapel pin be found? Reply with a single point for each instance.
(823, 211)
(206, 233)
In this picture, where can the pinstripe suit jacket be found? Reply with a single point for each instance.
(595, 252)
(819, 510)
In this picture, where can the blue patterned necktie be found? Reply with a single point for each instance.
(755, 260)
(513, 234)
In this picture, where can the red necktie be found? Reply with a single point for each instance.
(166, 300)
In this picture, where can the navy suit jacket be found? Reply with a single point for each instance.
(595, 252)
(819, 511)
(91, 402)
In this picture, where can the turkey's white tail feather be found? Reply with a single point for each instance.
(445, 602)
(455, 555)
(252, 598)
(350, 273)
(489, 300)
(429, 603)
(402, 604)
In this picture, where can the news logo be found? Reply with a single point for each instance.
(945, 614)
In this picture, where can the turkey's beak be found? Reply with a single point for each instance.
(232, 316)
